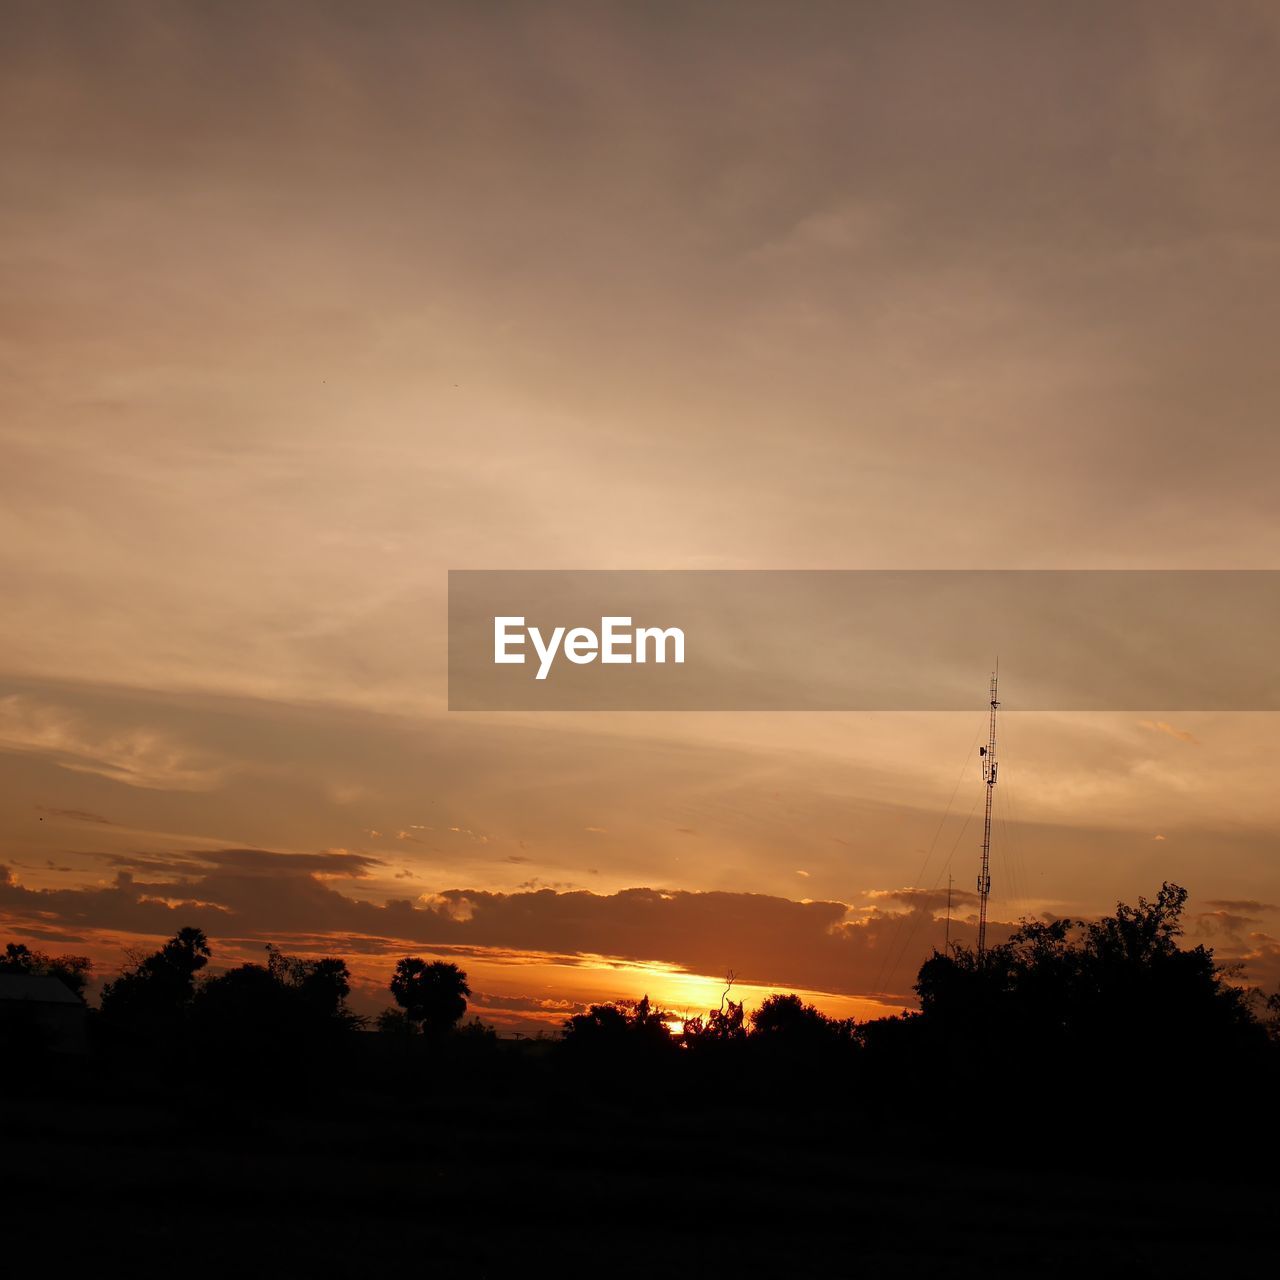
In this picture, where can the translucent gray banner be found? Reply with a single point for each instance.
(862, 640)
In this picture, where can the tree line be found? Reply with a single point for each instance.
(1116, 1002)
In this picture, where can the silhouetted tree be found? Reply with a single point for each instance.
(477, 1034)
(639, 1028)
(322, 985)
(287, 1004)
(1029, 982)
(600, 1023)
(1271, 1016)
(723, 1026)
(154, 994)
(433, 994)
(1119, 989)
(395, 1022)
(727, 1025)
(787, 1021)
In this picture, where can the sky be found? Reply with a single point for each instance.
(304, 305)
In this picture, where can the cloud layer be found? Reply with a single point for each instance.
(244, 894)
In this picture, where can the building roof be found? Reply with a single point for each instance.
(38, 988)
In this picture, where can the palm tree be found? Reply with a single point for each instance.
(432, 994)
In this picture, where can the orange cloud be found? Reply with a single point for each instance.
(1162, 726)
(250, 894)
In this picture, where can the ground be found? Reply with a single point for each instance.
(486, 1182)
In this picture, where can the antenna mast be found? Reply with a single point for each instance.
(989, 777)
(947, 943)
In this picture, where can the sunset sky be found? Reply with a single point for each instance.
(306, 304)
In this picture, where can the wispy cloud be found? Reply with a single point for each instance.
(1163, 726)
(75, 815)
(137, 755)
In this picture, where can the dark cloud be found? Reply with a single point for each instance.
(766, 940)
(245, 897)
(926, 899)
(47, 865)
(76, 815)
(159, 863)
(1262, 962)
(330, 862)
(1242, 904)
(47, 937)
(1226, 923)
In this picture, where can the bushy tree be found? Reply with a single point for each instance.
(1120, 986)
(640, 1028)
(723, 1026)
(433, 994)
(288, 1004)
(396, 1022)
(321, 985)
(785, 1022)
(153, 995)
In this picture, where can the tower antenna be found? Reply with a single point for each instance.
(989, 767)
(947, 943)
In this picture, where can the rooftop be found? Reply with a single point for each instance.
(37, 988)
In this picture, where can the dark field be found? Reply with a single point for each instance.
(483, 1176)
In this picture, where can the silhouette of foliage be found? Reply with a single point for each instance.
(1070, 996)
(395, 1022)
(321, 985)
(433, 994)
(1118, 999)
(788, 1020)
(154, 994)
(289, 1004)
(1271, 1017)
(477, 1034)
(726, 1025)
(638, 1030)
